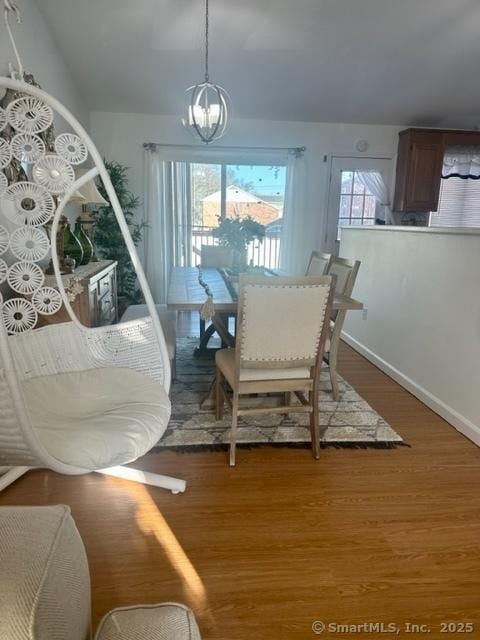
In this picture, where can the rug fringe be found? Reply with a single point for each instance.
(279, 445)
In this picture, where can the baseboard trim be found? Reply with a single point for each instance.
(461, 423)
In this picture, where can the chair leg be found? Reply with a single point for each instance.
(332, 365)
(233, 432)
(175, 485)
(10, 474)
(219, 400)
(314, 423)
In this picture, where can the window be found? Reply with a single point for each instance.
(458, 204)
(227, 190)
(357, 204)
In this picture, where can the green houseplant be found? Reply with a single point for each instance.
(237, 233)
(108, 238)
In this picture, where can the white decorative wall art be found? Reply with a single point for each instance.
(47, 301)
(33, 204)
(53, 173)
(5, 153)
(71, 148)
(25, 277)
(4, 239)
(30, 204)
(27, 147)
(19, 315)
(29, 115)
(29, 243)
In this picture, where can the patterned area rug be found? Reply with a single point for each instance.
(351, 422)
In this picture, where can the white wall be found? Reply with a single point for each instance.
(41, 57)
(120, 136)
(422, 323)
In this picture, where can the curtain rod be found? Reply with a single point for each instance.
(296, 150)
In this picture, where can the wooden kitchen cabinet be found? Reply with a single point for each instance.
(419, 170)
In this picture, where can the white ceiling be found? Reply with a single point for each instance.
(362, 61)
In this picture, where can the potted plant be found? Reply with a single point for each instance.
(237, 233)
(108, 238)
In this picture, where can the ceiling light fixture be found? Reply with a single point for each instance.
(207, 103)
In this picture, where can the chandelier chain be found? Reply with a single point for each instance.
(206, 40)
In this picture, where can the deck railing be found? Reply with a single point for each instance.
(260, 254)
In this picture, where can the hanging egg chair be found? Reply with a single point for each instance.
(74, 399)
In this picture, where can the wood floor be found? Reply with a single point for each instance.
(264, 550)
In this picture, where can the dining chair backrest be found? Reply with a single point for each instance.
(214, 256)
(318, 264)
(346, 273)
(281, 320)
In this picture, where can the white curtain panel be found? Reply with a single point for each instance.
(159, 234)
(294, 240)
(461, 162)
(374, 183)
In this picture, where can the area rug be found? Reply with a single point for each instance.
(350, 422)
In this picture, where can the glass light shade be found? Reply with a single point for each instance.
(207, 107)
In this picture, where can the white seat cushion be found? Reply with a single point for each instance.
(225, 360)
(99, 417)
(168, 320)
(167, 621)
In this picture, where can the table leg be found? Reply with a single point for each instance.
(218, 326)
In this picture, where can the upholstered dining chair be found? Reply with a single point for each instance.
(282, 328)
(319, 263)
(345, 272)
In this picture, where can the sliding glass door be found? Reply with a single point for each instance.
(217, 191)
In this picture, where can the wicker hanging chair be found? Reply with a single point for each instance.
(73, 399)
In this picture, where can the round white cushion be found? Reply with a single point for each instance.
(166, 621)
(97, 418)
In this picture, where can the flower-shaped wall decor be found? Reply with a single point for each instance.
(25, 277)
(19, 315)
(3, 184)
(5, 153)
(29, 243)
(53, 173)
(29, 115)
(33, 204)
(4, 239)
(71, 148)
(27, 147)
(47, 301)
(3, 270)
(3, 119)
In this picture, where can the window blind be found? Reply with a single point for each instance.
(458, 205)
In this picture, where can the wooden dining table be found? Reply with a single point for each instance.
(186, 293)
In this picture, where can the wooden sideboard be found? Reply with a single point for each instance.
(95, 302)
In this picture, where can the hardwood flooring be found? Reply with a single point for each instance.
(267, 548)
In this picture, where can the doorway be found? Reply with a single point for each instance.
(351, 200)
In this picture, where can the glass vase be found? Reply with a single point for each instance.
(84, 240)
(72, 247)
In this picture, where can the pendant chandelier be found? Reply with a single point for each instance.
(206, 103)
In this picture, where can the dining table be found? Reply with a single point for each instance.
(190, 287)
